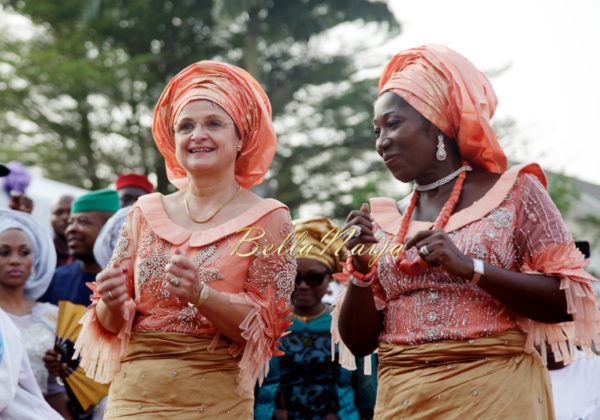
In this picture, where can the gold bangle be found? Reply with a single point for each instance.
(203, 295)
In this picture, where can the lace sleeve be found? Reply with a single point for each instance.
(544, 245)
(267, 289)
(100, 350)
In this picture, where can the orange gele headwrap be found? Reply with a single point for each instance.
(240, 95)
(453, 95)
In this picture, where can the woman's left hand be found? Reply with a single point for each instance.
(182, 276)
(436, 249)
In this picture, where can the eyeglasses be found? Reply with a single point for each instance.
(312, 278)
(188, 127)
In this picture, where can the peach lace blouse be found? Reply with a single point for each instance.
(147, 240)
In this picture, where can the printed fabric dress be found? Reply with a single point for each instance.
(306, 383)
(168, 360)
(450, 348)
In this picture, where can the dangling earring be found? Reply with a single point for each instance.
(441, 151)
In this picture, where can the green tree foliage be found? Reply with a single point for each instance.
(77, 97)
(563, 192)
(88, 82)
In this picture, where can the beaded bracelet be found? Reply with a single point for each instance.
(360, 276)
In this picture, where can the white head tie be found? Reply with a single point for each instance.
(42, 249)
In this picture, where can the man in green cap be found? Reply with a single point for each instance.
(88, 214)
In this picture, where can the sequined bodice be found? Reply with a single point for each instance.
(436, 305)
(217, 265)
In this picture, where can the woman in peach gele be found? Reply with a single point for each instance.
(488, 273)
(181, 323)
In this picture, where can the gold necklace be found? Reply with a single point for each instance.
(307, 318)
(187, 209)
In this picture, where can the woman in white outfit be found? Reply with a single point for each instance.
(27, 262)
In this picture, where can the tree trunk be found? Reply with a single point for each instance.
(86, 144)
(250, 54)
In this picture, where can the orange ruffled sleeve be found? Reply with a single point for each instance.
(545, 246)
(268, 290)
(100, 350)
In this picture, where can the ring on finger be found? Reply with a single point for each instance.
(357, 231)
(110, 294)
(175, 281)
(424, 250)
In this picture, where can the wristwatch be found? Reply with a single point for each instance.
(478, 270)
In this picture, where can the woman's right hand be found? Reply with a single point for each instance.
(112, 287)
(361, 219)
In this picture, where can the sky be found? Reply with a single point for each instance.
(551, 86)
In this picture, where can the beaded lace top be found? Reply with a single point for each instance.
(515, 226)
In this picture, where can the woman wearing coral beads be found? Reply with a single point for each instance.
(187, 315)
(488, 271)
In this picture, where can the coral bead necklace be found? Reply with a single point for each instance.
(414, 267)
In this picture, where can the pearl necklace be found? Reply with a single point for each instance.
(442, 181)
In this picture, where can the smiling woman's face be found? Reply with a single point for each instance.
(205, 137)
(404, 140)
(15, 258)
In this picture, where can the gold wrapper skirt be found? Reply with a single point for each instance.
(170, 375)
(483, 378)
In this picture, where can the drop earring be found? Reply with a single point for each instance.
(441, 150)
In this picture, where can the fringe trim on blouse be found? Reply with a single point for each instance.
(100, 350)
(346, 359)
(565, 262)
(266, 323)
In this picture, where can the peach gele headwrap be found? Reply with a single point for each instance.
(240, 95)
(453, 95)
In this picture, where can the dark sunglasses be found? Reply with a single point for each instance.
(312, 278)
